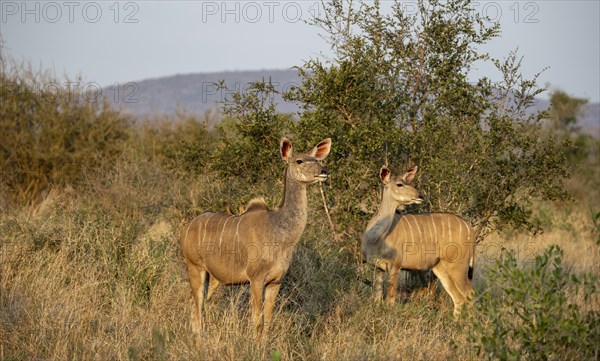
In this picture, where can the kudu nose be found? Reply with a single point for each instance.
(323, 174)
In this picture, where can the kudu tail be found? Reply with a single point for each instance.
(471, 266)
(476, 239)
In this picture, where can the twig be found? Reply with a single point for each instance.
(326, 209)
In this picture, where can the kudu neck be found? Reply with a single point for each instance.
(292, 213)
(381, 222)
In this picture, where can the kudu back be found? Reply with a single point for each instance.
(255, 246)
(441, 242)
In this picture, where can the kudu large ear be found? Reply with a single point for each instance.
(385, 175)
(285, 147)
(321, 150)
(410, 175)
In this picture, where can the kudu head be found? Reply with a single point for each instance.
(400, 188)
(304, 167)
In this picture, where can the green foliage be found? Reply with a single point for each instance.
(563, 114)
(51, 134)
(583, 150)
(410, 102)
(526, 313)
(276, 355)
(183, 144)
(564, 111)
(249, 140)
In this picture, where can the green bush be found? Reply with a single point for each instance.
(51, 134)
(182, 143)
(526, 312)
(249, 138)
(398, 90)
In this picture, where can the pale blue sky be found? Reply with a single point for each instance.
(109, 42)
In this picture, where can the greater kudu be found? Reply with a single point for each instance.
(255, 246)
(442, 242)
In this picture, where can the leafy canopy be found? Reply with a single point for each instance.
(398, 90)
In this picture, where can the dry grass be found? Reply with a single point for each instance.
(96, 274)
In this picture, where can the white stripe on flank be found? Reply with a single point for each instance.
(426, 224)
(205, 227)
(418, 228)
(449, 229)
(237, 230)
(429, 228)
(460, 238)
(434, 230)
(468, 228)
(223, 230)
(188, 228)
(443, 231)
(410, 228)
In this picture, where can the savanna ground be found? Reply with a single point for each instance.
(95, 272)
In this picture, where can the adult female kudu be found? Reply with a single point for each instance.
(255, 246)
(442, 242)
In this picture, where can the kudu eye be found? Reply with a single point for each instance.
(299, 161)
(399, 184)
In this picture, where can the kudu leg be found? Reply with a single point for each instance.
(463, 283)
(378, 285)
(198, 277)
(271, 292)
(392, 285)
(448, 283)
(256, 304)
(470, 292)
(213, 284)
(459, 276)
(381, 270)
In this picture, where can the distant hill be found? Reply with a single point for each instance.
(197, 93)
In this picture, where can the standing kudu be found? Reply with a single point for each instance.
(441, 242)
(255, 246)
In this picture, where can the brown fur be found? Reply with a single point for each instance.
(441, 242)
(255, 246)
